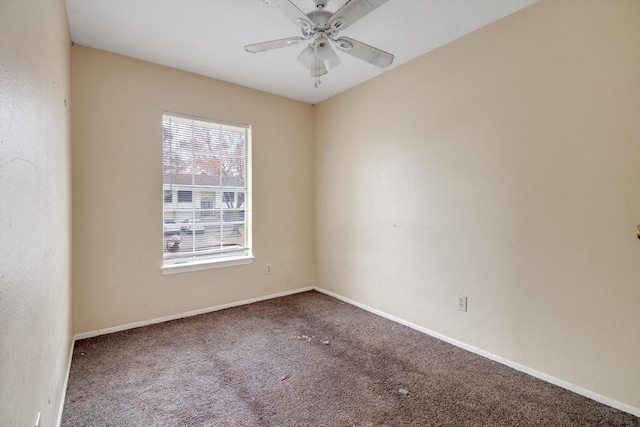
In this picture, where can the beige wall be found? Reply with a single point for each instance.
(117, 187)
(35, 210)
(505, 167)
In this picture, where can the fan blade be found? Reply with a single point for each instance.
(274, 44)
(352, 11)
(292, 12)
(374, 56)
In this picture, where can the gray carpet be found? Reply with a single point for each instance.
(306, 360)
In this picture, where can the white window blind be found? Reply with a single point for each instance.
(206, 190)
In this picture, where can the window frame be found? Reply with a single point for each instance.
(207, 259)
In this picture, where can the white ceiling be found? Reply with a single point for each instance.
(207, 37)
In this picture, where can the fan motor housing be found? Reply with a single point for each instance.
(320, 19)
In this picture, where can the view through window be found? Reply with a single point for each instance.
(205, 183)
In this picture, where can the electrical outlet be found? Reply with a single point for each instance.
(267, 269)
(462, 303)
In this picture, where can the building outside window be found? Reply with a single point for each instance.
(185, 196)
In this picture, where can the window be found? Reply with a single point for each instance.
(207, 163)
(185, 196)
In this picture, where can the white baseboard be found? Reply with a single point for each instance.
(186, 314)
(540, 375)
(64, 385)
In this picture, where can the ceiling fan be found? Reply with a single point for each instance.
(320, 28)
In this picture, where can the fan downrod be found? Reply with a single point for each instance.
(320, 4)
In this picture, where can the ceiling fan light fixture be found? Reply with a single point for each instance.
(318, 68)
(332, 61)
(322, 48)
(307, 57)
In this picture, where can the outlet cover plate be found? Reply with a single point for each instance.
(462, 303)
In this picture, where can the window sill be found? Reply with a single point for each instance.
(206, 264)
